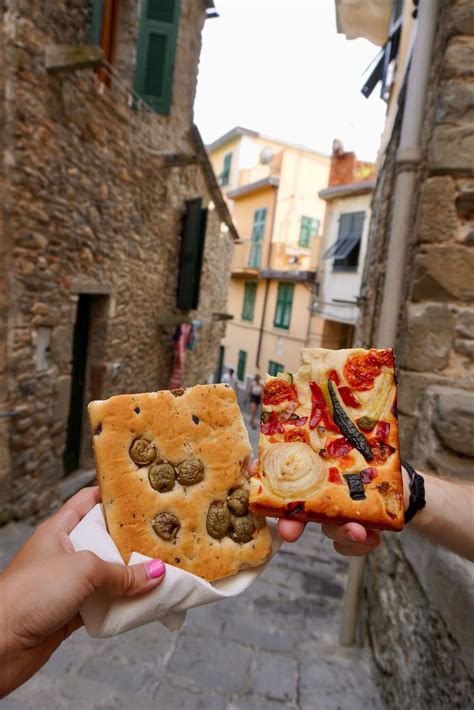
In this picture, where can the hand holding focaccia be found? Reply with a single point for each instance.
(328, 448)
(172, 469)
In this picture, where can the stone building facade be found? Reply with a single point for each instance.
(417, 599)
(95, 186)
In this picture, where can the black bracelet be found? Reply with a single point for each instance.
(417, 492)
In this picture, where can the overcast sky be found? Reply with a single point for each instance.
(279, 67)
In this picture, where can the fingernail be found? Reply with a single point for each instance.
(350, 536)
(155, 568)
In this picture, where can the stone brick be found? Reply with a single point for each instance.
(464, 347)
(168, 696)
(438, 219)
(454, 420)
(407, 432)
(227, 674)
(443, 273)
(428, 335)
(354, 688)
(465, 197)
(465, 324)
(61, 344)
(461, 18)
(63, 393)
(459, 57)
(455, 102)
(451, 149)
(275, 677)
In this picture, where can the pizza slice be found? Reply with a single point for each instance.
(328, 448)
(172, 469)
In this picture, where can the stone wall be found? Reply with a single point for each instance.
(92, 208)
(417, 598)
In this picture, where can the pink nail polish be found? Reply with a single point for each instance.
(155, 568)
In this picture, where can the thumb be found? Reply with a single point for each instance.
(120, 581)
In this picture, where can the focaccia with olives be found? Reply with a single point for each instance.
(172, 471)
(328, 448)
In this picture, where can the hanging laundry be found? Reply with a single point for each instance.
(177, 371)
(193, 334)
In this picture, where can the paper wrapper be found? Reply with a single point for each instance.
(167, 603)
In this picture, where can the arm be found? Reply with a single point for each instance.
(45, 585)
(447, 519)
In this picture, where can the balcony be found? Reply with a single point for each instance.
(286, 262)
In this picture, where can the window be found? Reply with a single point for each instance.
(345, 251)
(283, 306)
(249, 300)
(388, 53)
(241, 365)
(274, 368)
(156, 53)
(258, 229)
(225, 174)
(309, 228)
(192, 249)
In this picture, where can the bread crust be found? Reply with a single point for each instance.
(203, 423)
(329, 499)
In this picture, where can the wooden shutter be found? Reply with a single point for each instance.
(283, 306)
(258, 231)
(274, 368)
(241, 365)
(156, 52)
(249, 300)
(192, 250)
(96, 22)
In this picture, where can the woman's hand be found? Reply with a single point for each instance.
(47, 582)
(349, 539)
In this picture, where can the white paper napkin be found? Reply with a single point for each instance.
(167, 603)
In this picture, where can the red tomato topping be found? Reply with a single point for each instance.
(368, 474)
(334, 475)
(382, 431)
(332, 375)
(319, 410)
(271, 425)
(348, 398)
(277, 391)
(301, 421)
(346, 462)
(297, 435)
(361, 370)
(380, 450)
(338, 447)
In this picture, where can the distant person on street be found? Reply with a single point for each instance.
(255, 398)
(230, 379)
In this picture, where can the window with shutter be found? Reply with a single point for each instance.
(346, 256)
(191, 255)
(156, 53)
(274, 368)
(241, 365)
(258, 230)
(250, 293)
(309, 228)
(103, 32)
(225, 174)
(284, 305)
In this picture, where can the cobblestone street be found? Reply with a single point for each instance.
(274, 646)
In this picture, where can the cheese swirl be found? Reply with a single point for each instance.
(293, 470)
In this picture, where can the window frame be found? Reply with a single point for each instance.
(224, 177)
(350, 262)
(257, 238)
(241, 358)
(311, 226)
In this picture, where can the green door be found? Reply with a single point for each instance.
(241, 365)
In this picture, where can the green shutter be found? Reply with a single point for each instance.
(156, 52)
(283, 306)
(258, 231)
(191, 256)
(241, 365)
(225, 175)
(96, 22)
(274, 368)
(250, 293)
(309, 228)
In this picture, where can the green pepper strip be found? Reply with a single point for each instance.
(348, 429)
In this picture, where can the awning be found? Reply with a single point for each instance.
(343, 247)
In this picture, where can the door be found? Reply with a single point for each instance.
(72, 453)
(220, 364)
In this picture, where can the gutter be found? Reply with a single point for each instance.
(407, 164)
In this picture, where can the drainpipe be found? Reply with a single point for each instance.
(267, 284)
(408, 159)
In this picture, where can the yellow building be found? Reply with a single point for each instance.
(272, 188)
